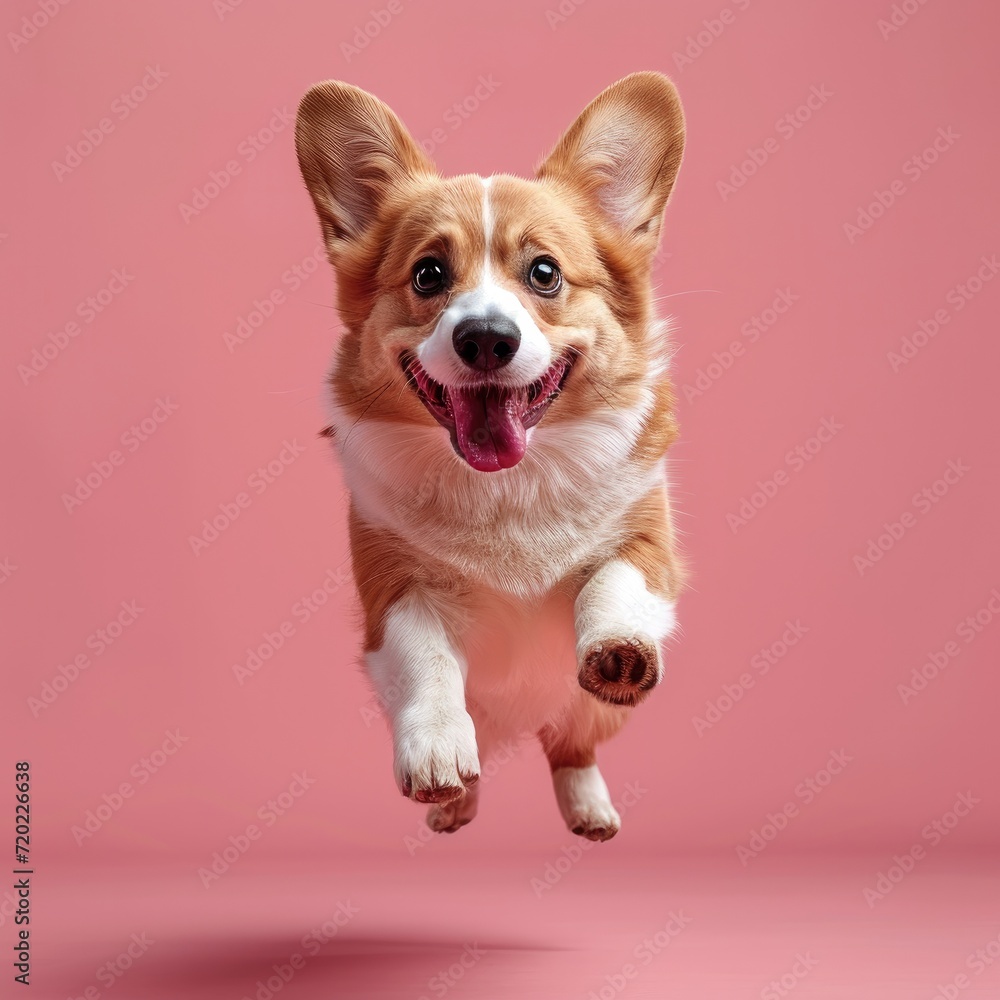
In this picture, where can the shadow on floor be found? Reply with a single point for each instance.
(349, 965)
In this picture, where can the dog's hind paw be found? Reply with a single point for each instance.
(447, 817)
(585, 803)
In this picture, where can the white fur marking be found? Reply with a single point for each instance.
(584, 800)
(420, 678)
(616, 604)
(576, 478)
(437, 353)
(487, 225)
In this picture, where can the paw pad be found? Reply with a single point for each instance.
(621, 672)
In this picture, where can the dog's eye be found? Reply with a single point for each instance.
(428, 276)
(545, 276)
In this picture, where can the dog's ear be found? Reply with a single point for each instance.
(352, 150)
(623, 154)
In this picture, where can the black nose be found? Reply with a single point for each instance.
(485, 344)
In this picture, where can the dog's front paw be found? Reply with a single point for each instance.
(436, 759)
(621, 671)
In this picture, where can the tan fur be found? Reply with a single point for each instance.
(650, 545)
(386, 567)
(572, 741)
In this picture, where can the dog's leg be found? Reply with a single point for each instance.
(415, 666)
(421, 678)
(619, 625)
(569, 744)
(626, 608)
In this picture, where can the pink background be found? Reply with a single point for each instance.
(725, 258)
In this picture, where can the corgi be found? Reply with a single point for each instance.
(502, 409)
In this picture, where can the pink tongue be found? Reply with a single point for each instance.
(488, 426)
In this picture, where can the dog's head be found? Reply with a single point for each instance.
(476, 302)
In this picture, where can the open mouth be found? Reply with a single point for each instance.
(488, 422)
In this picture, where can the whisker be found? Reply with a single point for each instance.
(363, 396)
(364, 411)
(690, 291)
(598, 391)
(597, 383)
(403, 387)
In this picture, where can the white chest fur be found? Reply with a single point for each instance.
(519, 530)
